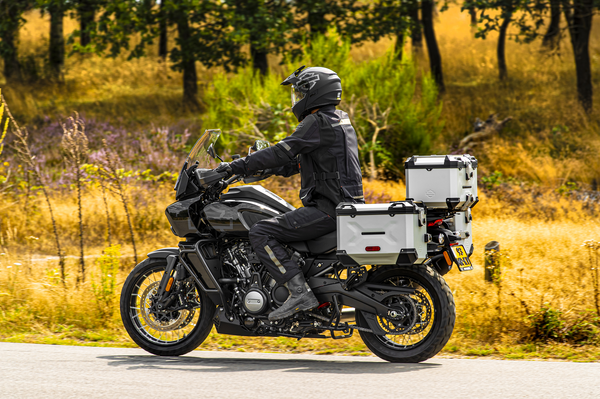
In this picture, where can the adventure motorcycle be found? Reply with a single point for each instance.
(404, 312)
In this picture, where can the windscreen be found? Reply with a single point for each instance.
(199, 151)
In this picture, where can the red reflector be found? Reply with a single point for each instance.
(436, 223)
(454, 243)
(372, 249)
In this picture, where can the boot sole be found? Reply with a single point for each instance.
(295, 310)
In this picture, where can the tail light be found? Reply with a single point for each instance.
(373, 249)
(436, 223)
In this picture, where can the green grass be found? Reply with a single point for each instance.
(117, 338)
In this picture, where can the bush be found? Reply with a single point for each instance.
(104, 284)
(247, 106)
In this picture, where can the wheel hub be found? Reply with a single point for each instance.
(162, 320)
(402, 318)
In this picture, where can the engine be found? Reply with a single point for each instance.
(255, 292)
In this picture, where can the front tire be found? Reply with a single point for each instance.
(168, 333)
(434, 322)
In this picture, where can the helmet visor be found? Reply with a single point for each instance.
(297, 95)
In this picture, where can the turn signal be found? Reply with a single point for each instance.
(447, 257)
(372, 249)
(169, 284)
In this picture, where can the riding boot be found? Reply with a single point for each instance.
(301, 298)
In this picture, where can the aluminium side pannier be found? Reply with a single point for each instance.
(381, 234)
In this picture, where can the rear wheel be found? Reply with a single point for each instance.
(433, 320)
(168, 332)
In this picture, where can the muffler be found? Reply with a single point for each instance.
(348, 315)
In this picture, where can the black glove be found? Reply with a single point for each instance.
(224, 167)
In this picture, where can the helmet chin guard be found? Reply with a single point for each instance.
(312, 88)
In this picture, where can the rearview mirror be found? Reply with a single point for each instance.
(211, 151)
(260, 144)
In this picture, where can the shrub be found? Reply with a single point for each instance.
(104, 284)
(247, 106)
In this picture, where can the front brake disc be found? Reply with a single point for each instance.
(161, 320)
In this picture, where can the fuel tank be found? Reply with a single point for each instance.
(236, 217)
(241, 207)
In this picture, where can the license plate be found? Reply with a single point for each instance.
(461, 258)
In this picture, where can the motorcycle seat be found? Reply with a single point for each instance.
(317, 245)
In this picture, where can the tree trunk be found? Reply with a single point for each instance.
(501, 50)
(435, 58)
(57, 40)
(551, 39)
(415, 30)
(87, 14)
(162, 40)
(259, 59)
(473, 15)
(188, 64)
(399, 47)
(10, 39)
(579, 18)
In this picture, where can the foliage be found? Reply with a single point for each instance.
(415, 121)
(104, 284)
(11, 15)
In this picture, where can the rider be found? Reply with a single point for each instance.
(324, 150)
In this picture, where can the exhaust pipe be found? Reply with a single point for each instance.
(348, 315)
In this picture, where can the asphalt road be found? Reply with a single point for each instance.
(46, 371)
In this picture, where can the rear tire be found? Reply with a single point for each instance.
(435, 320)
(177, 333)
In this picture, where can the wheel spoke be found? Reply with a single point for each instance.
(164, 327)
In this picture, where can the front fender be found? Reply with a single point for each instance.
(163, 253)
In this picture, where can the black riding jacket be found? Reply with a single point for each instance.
(324, 150)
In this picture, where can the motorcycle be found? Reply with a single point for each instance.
(404, 312)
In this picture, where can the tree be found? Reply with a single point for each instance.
(552, 36)
(264, 25)
(351, 19)
(162, 34)
(401, 18)
(578, 15)
(56, 49)
(203, 34)
(415, 27)
(86, 13)
(11, 17)
(435, 58)
(504, 13)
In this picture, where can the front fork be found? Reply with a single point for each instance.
(173, 273)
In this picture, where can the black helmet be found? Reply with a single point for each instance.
(312, 88)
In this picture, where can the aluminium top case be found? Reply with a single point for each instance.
(381, 234)
(442, 181)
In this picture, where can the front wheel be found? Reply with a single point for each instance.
(168, 332)
(432, 322)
